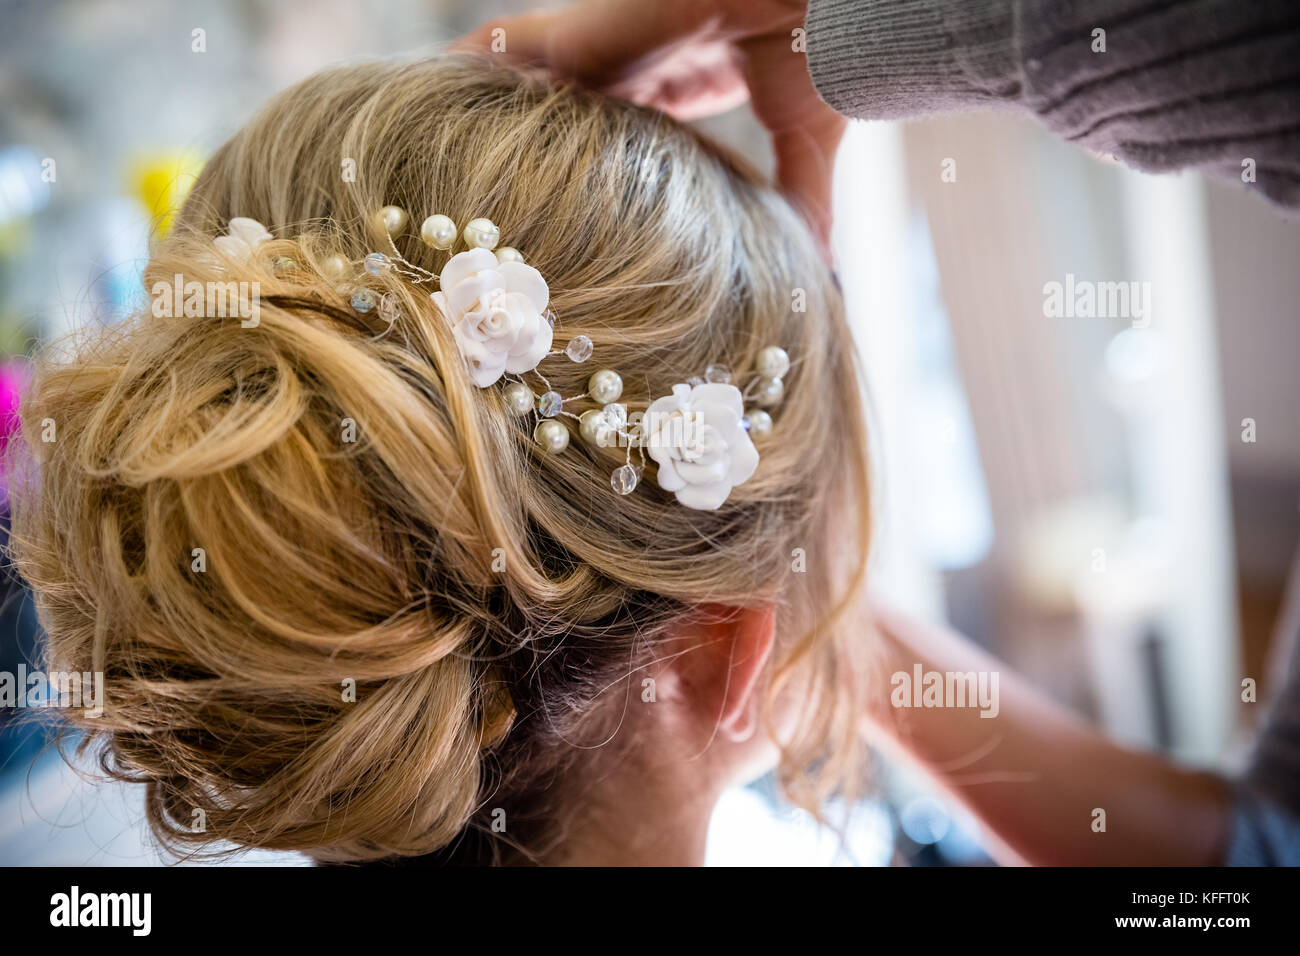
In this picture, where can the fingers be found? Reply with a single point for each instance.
(594, 40)
(697, 80)
(680, 56)
(525, 38)
(805, 131)
(805, 163)
(699, 104)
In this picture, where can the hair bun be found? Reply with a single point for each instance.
(237, 525)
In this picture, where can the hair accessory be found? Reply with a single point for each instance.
(701, 436)
(497, 312)
(697, 436)
(244, 235)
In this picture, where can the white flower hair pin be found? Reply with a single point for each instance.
(697, 436)
(701, 436)
(497, 311)
(243, 237)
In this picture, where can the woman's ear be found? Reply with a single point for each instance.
(725, 652)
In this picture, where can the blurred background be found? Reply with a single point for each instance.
(1112, 509)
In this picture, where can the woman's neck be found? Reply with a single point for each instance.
(640, 819)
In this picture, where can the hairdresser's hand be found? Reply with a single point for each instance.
(693, 58)
(1032, 772)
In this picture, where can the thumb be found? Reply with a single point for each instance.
(525, 38)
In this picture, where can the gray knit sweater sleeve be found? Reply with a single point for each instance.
(1208, 84)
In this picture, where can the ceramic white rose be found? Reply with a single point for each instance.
(244, 235)
(697, 437)
(497, 312)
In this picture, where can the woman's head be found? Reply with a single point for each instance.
(342, 601)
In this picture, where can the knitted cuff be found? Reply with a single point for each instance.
(886, 59)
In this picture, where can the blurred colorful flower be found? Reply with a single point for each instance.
(13, 379)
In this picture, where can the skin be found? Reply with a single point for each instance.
(694, 58)
(1034, 777)
(1034, 774)
(699, 737)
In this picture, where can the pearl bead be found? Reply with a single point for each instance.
(392, 219)
(593, 427)
(758, 422)
(335, 267)
(773, 362)
(551, 435)
(770, 391)
(508, 254)
(439, 232)
(519, 399)
(481, 234)
(605, 386)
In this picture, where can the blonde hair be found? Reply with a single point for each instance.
(484, 597)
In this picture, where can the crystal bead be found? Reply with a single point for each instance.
(549, 404)
(579, 349)
(378, 264)
(615, 415)
(717, 375)
(363, 300)
(388, 310)
(695, 381)
(624, 479)
(284, 266)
